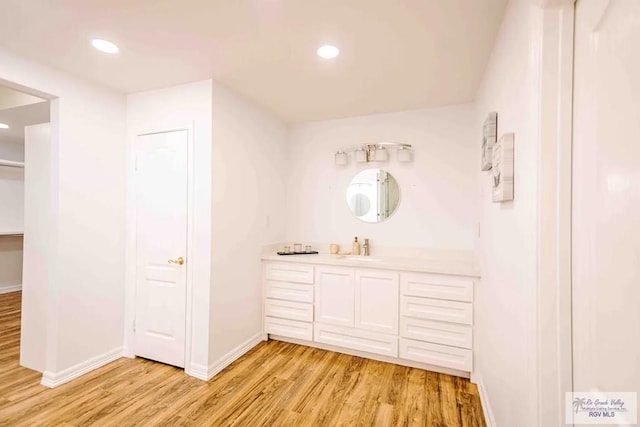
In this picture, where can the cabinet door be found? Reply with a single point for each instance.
(376, 302)
(334, 297)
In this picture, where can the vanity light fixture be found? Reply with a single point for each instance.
(405, 155)
(378, 152)
(341, 158)
(4, 126)
(360, 155)
(381, 154)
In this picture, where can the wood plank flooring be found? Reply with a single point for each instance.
(275, 384)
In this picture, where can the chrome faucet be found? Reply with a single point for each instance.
(365, 247)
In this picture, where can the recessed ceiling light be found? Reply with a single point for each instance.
(328, 51)
(4, 126)
(105, 46)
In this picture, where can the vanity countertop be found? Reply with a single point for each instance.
(458, 267)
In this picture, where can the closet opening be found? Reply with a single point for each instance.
(25, 183)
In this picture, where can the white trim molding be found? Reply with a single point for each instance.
(206, 373)
(489, 418)
(554, 336)
(198, 371)
(54, 379)
(5, 289)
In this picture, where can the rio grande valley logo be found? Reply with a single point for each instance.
(601, 408)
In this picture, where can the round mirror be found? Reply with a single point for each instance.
(373, 195)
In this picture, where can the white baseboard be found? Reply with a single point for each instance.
(5, 289)
(54, 379)
(198, 371)
(128, 352)
(206, 373)
(484, 400)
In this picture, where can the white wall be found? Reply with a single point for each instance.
(10, 263)
(438, 207)
(11, 150)
(12, 210)
(505, 301)
(179, 107)
(11, 214)
(248, 211)
(11, 189)
(36, 243)
(85, 297)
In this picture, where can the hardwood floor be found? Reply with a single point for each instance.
(275, 384)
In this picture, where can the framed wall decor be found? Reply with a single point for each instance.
(502, 169)
(489, 133)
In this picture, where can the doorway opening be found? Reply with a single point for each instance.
(25, 169)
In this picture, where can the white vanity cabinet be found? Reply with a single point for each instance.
(436, 317)
(357, 309)
(411, 318)
(288, 303)
(364, 299)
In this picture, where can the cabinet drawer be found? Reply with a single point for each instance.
(288, 328)
(354, 339)
(436, 354)
(289, 291)
(434, 309)
(288, 310)
(299, 273)
(436, 332)
(437, 286)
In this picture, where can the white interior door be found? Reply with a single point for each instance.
(161, 273)
(606, 197)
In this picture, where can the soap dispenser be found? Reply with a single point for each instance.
(356, 247)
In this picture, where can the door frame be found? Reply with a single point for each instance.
(131, 237)
(49, 328)
(555, 158)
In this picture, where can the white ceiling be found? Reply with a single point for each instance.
(19, 117)
(395, 54)
(10, 98)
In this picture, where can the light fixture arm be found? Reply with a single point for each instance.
(375, 146)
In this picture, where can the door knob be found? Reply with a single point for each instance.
(178, 261)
